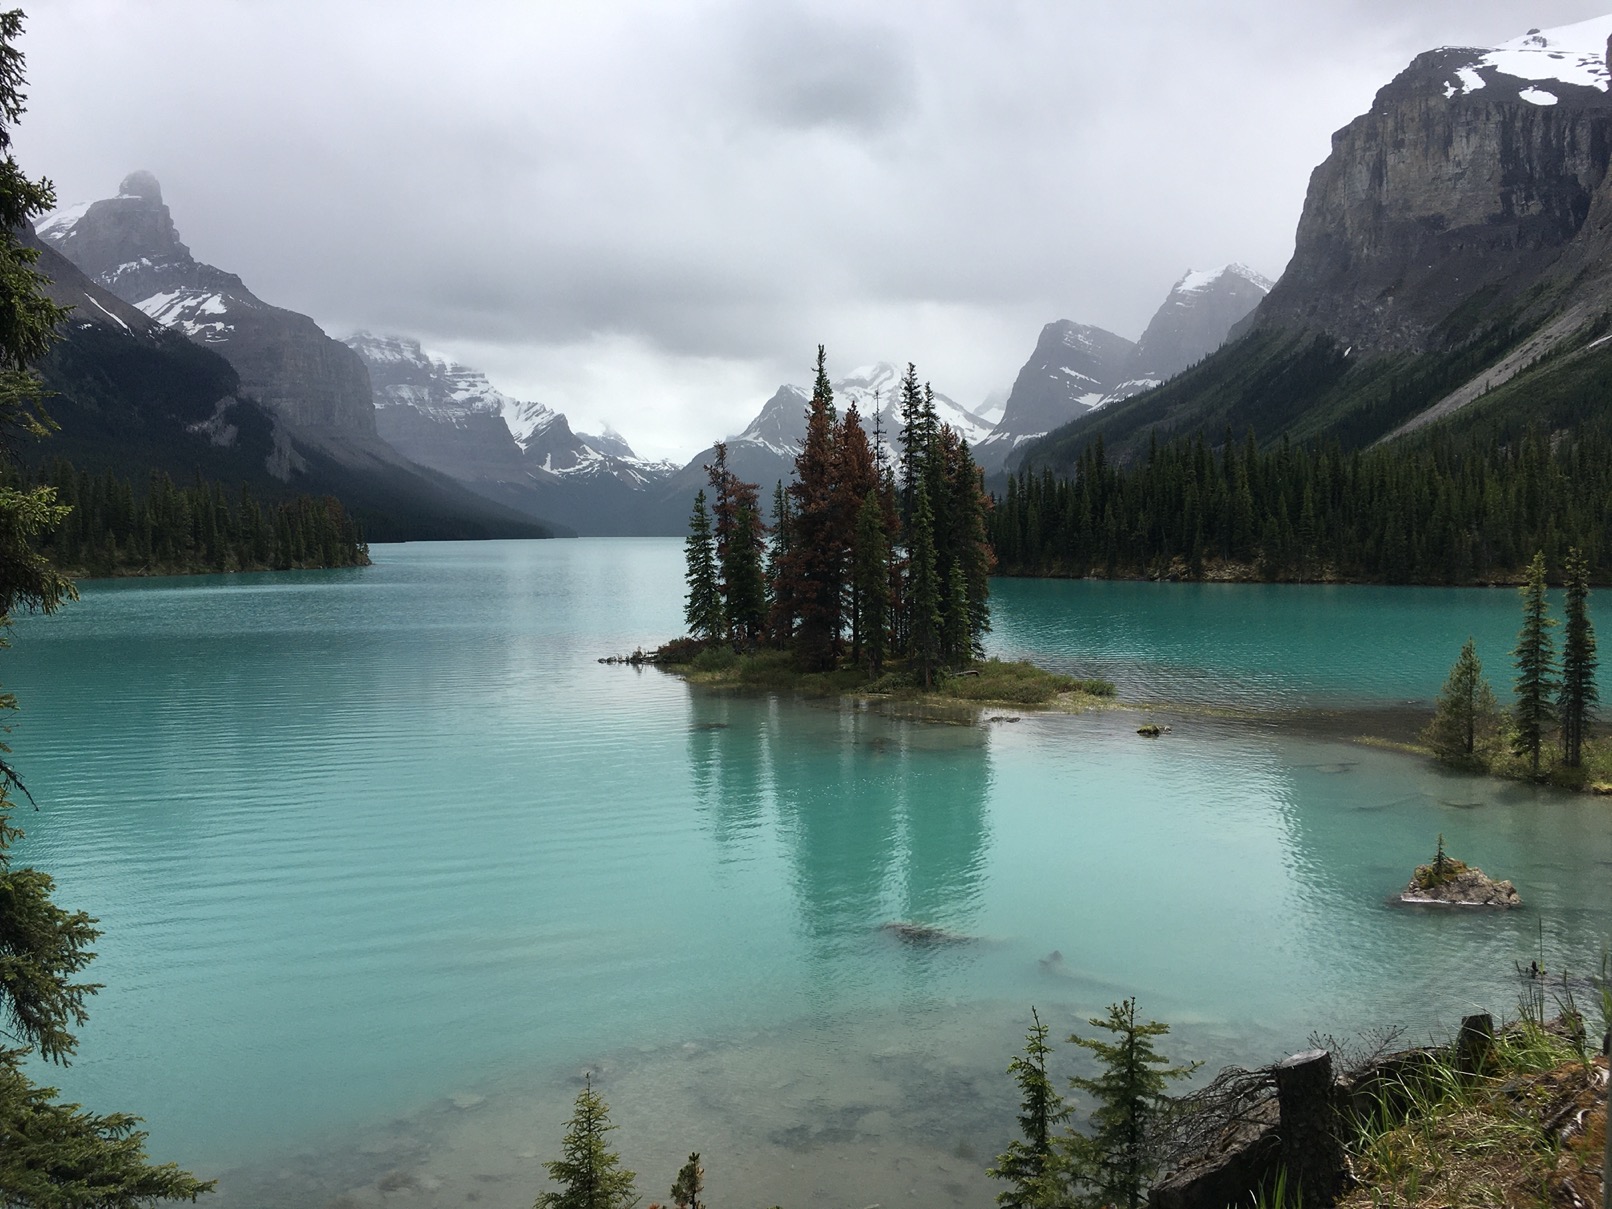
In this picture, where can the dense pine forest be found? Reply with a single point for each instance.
(1447, 509)
(158, 528)
(853, 566)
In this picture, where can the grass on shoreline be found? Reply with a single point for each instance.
(1527, 1132)
(990, 682)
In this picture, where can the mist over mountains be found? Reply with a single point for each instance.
(380, 402)
(1428, 271)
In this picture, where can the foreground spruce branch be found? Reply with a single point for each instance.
(52, 1155)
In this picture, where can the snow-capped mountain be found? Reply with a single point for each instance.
(764, 453)
(1195, 319)
(450, 417)
(1073, 367)
(1476, 170)
(781, 423)
(129, 245)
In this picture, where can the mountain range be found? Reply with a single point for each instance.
(1452, 266)
(1453, 260)
(169, 364)
(1077, 368)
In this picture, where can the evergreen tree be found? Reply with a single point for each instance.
(913, 451)
(1467, 714)
(590, 1174)
(1535, 661)
(740, 536)
(924, 619)
(856, 473)
(52, 1155)
(871, 578)
(955, 646)
(689, 1184)
(781, 615)
(702, 609)
(1115, 1164)
(1577, 700)
(1030, 1164)
(814, 571)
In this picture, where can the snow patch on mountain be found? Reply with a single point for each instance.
(189, 309)
(874, 390)
(1198, 280)
(1569, 54)
(59, 222)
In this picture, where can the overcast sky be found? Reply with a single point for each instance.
(649, 214)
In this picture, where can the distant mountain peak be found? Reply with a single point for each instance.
(129, 245)
(143, 185)
(1196, 280)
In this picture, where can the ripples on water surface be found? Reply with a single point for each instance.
(385, 857)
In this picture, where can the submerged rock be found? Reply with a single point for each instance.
(923, 934)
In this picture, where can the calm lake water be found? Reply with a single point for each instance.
(386, 859)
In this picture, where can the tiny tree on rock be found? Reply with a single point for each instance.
(590, 1175)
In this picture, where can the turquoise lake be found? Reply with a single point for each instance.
(386, 860)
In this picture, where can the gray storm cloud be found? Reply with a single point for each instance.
(650, 215)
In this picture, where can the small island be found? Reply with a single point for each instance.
(983, 682)
(872, 579)
(1447, 882)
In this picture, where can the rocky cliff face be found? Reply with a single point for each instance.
(1471, 176)
(129, 245)
(1455, 244)
(449, 421)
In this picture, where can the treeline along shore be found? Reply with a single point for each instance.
(117, 527)
(1462, 509)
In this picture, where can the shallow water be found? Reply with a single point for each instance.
(385, 859)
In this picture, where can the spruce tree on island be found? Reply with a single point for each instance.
(924, 620)
(1578, 695)
(1467, 714)
(814, 571)
(871, 579)
(1535, 661)
(702, 608)
(740, 536)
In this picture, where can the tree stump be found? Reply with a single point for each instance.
(1474, 1045)
(1312, 1150)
